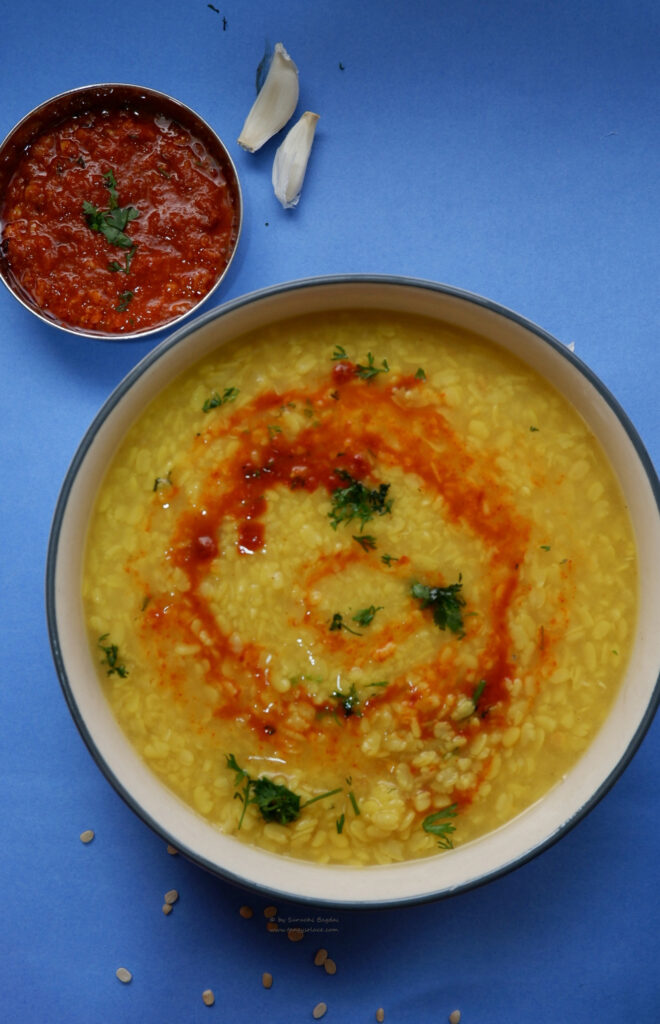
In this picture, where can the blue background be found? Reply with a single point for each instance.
(510, 148)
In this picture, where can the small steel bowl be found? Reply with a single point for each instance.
(110, 96)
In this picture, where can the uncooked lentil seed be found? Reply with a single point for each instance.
(171, 896)
(167, 908)
(330, 966)
(267, 979)
(319, 1011)
(321, 957)
(124, 975)
(172, 850)
(246, 912)
(270, 912)
(295, 934)
(272, 926)
(86, 836)
(454, 1017)
(380, 1015)
(207, 997)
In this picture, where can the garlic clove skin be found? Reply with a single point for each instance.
(275, 102)
(291, 159)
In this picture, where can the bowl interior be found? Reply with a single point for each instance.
(411, 881)
(111, 96)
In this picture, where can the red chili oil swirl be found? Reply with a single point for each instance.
(347, 435)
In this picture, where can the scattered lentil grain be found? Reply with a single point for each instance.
(295, 934)
(380, 1015)
(124, 975)
(319, 1011)
(207, 997)
(267, 979)
(86, 836)
(171, 896)
(172, 850)
(272, 926)
(246, 912)
(270, 912)
(167, 908)
(454, 1017)
(330, 966)
(321, 957)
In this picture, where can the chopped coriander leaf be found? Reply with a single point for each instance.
(339, 353)
(370, 371)
(533, 430)
(354, 803)
(340, 823)
(111, 184)
(275, 802)
(382, 682)
(366, 615)
(349, 702)
(388, 559)
(366, 541)
(217, 399)
(545, 547)
(273, 429)
(478, 691)
(124, 301)
(338, 623)
(438, 825)
(111, 651)
(420, 375)
(111, 223)
(356, 501)
(162, 481)
(446, 603)
(116, 268)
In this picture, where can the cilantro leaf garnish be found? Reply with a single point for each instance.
(366, 615)
(370, 371)
(356, 501)
(349, 702)
(111, 659)
(446, 603)
(276, 802)
(163, 481)
(124, 300)
(338, 623)
(116, 268)
(366, 541)
(217, 399)
(438, 825)
(112, 224)
(388, 559)
(478, 691)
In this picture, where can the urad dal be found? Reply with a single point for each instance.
(360, 588)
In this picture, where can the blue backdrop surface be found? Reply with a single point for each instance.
(509, 148)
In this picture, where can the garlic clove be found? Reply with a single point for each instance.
(275, 102)
(291, 159)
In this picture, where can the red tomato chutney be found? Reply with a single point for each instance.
(118, 221)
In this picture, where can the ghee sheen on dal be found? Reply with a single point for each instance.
(365, 556)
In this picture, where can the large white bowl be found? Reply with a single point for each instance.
(412, 881)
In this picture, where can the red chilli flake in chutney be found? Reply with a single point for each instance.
(184, 233)
(380, 436)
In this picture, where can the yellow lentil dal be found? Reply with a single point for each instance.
(367, 561)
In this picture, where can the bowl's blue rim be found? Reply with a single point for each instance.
(156, 353)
